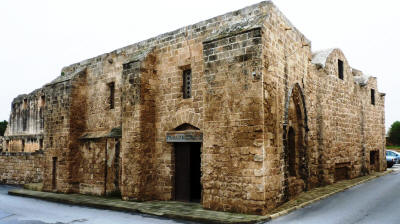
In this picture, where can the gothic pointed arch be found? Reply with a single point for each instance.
(295, 129)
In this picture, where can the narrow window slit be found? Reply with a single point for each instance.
(187, 83)
(340, 69)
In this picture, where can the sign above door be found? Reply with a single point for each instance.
(185, 136)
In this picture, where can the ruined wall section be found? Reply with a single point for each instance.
(233, 133)
(21, 167)
(26, 114)
(26, 123)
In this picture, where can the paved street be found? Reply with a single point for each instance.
(19, 210)
(377, 201)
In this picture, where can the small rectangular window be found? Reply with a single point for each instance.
(25, 105)
(40, 143)
(23, 145)
(340, 69)
(187, 83)
(372, 96)
(42, 101)
(111, 87)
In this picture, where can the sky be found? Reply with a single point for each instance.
(38, 38)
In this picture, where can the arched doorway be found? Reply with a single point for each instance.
(187, 140)
(295, 144)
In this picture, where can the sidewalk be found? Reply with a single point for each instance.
(194, 211)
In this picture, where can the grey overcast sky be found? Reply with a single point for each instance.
(38, 38)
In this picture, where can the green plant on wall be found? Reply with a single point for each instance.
(3, 126)
(394, 133)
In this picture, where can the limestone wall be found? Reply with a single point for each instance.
(27, 114)
(21, 167)
(62, 156)
(276, 119)
(25, 127)
(99, 174)
(29, 143)
(336, 116)
(233, 131)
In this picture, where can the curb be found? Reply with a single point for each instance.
(139, 210)
(287, 211)
(172, 215)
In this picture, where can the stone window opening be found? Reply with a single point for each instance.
(187, 83)
(7, 145)
(25, 105)
(340, 69)
(372, 96)
(40, 143)
(23, 145)
(111, 87)
(42, 101)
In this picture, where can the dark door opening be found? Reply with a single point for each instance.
(188, 172)
(54, 173)
(373, 160)
(117, 170)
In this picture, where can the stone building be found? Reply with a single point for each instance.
(235, 112)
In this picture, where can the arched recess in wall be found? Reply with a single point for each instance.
(295, 129)
(180, 118)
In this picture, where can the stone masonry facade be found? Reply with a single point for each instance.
(235, 112)
(21, 167)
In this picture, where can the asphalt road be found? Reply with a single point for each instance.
(19, 210)
(375, 202)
